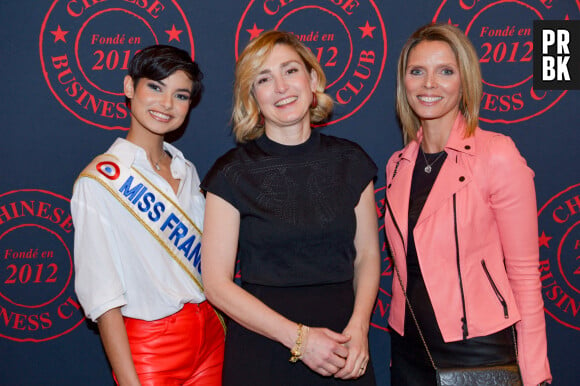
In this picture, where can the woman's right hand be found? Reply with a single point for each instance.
(324, 351)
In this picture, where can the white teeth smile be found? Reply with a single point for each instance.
(429, 99)
(285, 101)
(159, 115)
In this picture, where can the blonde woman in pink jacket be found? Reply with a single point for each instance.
(462, 224)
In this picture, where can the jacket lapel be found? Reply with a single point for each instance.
(399, 187)
(453, 175)
(451, 179)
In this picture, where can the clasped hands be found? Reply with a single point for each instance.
(329, 353)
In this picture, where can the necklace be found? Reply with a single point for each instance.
(428, 168)
(159, 160)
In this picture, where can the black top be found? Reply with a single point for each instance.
(296, 207)
(421, 185)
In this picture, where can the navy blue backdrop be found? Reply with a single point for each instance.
(62, 63)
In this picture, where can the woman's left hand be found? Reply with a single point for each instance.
(358, 353)
(367, 274)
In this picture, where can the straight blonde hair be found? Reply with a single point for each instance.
(469, 71)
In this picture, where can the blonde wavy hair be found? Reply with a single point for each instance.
(246, 112)
(469, 71)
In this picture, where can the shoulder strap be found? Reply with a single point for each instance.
(403, 287)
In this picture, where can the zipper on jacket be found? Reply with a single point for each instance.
(496, 290)
(395, 224)
(464, 318)
(383, 209)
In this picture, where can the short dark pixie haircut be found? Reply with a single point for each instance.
(160, 61)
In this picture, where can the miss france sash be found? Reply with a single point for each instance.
(156, 212)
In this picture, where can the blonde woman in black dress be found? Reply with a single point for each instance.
(297, 209)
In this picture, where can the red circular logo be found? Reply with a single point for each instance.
(348, 38)
(381, 310)
(501, 31)
(559, 240)
(37, 299)
(85, 49)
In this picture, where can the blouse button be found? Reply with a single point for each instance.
(388, 186)
(461, 179)
(400, 155)
(467, 147)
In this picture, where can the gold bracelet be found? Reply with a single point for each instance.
(296, 351)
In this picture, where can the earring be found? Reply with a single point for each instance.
(314, 101)
(261, 119)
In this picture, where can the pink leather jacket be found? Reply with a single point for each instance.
(477, 243)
